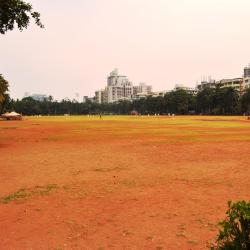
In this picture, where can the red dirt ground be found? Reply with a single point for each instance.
(119, 183)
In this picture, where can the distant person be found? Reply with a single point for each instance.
(100, 116)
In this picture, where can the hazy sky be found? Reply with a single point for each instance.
(160, 42)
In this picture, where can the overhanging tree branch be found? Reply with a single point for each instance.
(17, 12)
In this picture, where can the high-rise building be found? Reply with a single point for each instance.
(235, 83)
(247, 71)
(99, 96)
(39, 97)
(186, 88)
(85, 99)
(143, 89)
(246, 83)
(210, 83)
(118, 87)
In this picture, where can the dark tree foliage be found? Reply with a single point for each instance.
(245, 101)
(4, 85)
(17, 12)
(205, 101)
(179, 102)
(235, 232)
(220, 101)
(4, 97)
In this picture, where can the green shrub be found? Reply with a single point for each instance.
(235, 229)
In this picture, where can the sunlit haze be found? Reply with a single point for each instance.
(159, 42)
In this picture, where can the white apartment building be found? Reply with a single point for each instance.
(100, 96)
(246, 83)
(246, 79)
(239, 84)
(160, 93)
(236, 83)
(118, 88)
(247, 71)
(188, 89)
(206, 84)
(142, 89)
(39, 97)
(85, 99)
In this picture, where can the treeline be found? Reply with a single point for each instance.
(210, 101)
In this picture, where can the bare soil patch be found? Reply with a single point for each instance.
(119, 182)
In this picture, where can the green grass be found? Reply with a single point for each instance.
(24, 193)
(180, 128)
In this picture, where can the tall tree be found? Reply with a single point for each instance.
(245, 100)
(17, 12)
(205, 100)
(4, 85)
(179, 101)
(226, 101)
(231, 99)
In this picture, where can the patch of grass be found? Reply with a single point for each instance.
(54, 138)
(24, 193)
(128, 183)
(126, 233)
(104, 170)
(150, 237)
(46, 190)
(20, 194)
(9, 127)
(181, 234)
(76, 190)
(100, 170)
(159, 248)
(192, 242)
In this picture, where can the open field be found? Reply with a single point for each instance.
(120, 182)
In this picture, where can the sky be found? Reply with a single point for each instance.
(159, 42)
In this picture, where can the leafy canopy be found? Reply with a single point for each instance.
(3, 88)
(235, 233)
(17, 12)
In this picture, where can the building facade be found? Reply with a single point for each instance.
(206, 84)
(236, 83)
(99, 96)
(239, 84)
(160, 93)
(187, 89)
(88, 99)
(39, 97)
(142, 89)
(246, 83)
(85, 99)
(247, 71)
(119, 88)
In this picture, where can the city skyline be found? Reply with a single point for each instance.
(142, 89)
(162, 43)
